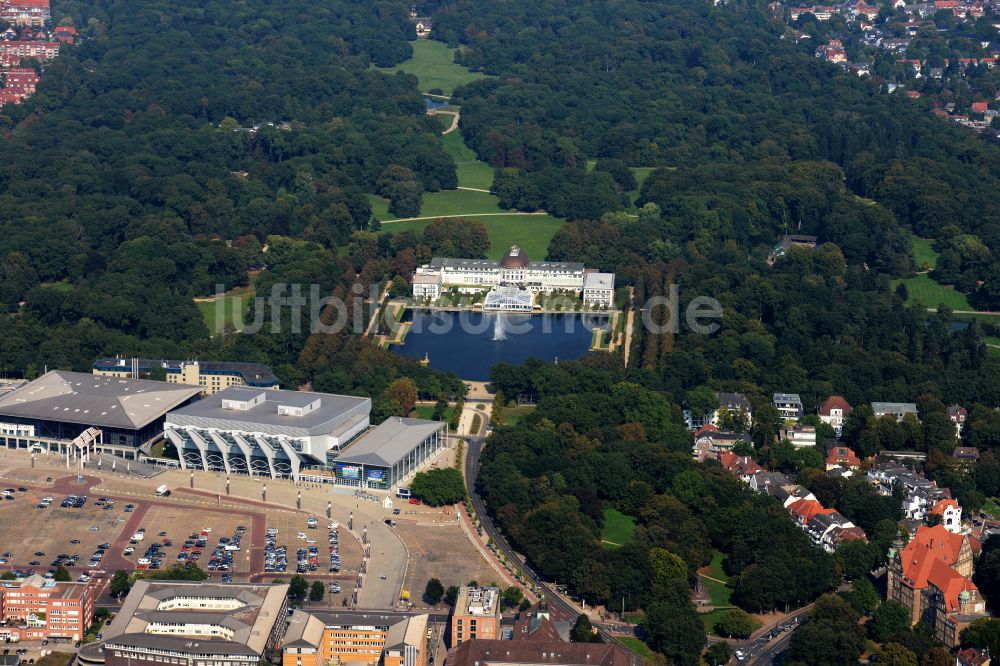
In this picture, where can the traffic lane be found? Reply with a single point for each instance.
(766, 648)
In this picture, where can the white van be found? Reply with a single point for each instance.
(138, 536)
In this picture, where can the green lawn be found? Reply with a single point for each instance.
(531, 232)
(61, 287)
(922, 289)
(474, 174)
(715, 567)
(433, 63)
(455, 145)
(709, 620)
(719, 592)
(991, 507)
(618, 527)
(637, 646)
(512, 415)
(924, 254)
(427, 411)
(236, 300)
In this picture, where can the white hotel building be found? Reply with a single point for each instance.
(515, 269)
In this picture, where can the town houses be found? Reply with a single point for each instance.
(27, 40)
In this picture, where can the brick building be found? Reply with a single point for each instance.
(43, 608)
(476, 614)
(356, 637)
(931, 576)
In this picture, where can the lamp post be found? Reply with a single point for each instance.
(263, 492)
(192, 478)
(227, 485)
(329, 510)
(298, 500)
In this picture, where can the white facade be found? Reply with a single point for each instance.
(515, 269)
(599, 289)
(265, 432)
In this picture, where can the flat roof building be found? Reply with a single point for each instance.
(538, 653)
(36, 608)
(388, 454)
(193, 624)
(897, 409)
(357, 637)
(52, 410)
(476, 615)
(212, 376)
(265, 431)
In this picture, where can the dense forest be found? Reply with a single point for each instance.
(760, 138)
(175, 142)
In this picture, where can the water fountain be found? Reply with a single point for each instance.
(498, 332)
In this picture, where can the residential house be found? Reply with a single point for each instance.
(931, 577)
(732, 402)
(921, 494)
(789, 405)
(790, 493)
(763, 481)
(958, 416)
(950, 514)
(742, 467)
(897, 409)
(712, 441)
(966, 454)
(834, 411)
(841, 456)
(824, 525)
(972, 657)
(800, 435)
(25, 12)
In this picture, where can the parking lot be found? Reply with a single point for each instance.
(182, 536)
(35, 537)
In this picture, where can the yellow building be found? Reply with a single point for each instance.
(359, 637)
(212, 376)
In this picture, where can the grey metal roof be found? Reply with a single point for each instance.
(599, 281)
(76, 397)
(893, 407)
(333, 412)
(389, 442)
(182, 644)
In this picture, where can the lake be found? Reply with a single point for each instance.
(470, 343)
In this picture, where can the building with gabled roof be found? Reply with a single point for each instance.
(931, 576)
(390, 453)
(950, 514)
(834, 411)
(841, 456)
(366, 637)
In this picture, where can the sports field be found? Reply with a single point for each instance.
(223, 310)
(433, 63)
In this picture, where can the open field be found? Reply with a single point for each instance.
(440, 549)
(433, 63)
(531, 232)
(991, 507)
(230, 308)
(924, 254)
(427, 411)
(455, 145)
(923, 290)
(513, 415)
(720, 593)
(475, 174)
(618, 527)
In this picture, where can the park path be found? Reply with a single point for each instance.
(629, 323)
(473, 189)
(378, 309)
(454, 121)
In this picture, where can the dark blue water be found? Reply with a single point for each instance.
(463, 342)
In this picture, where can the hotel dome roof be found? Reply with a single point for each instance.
(515, 258)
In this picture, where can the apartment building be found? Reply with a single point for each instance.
(476, 615)
(44, 608)
(212, 376)
(358, 637)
